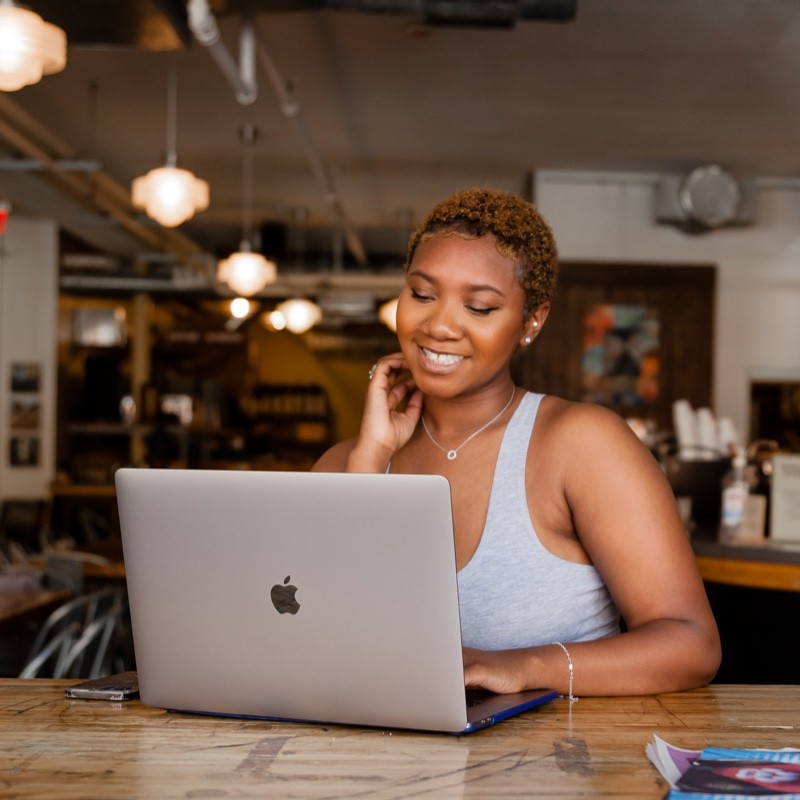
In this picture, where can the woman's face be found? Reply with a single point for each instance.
(460, 315)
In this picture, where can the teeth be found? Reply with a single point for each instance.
(441, 358)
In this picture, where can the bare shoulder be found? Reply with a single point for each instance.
(586, 447)
(566, 422)
(335, 458)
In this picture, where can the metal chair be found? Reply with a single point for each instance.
(76, 640)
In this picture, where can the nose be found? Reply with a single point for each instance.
(442, 320)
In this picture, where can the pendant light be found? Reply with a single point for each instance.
(29, 47)
(246, 272)
(300, 315)
(387, 314)
(170, 195)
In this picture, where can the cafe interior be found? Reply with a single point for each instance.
(233, 327)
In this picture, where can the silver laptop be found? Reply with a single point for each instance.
(303, 596)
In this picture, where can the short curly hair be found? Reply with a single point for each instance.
(521, 233)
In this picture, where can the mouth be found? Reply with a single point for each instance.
(441, 360)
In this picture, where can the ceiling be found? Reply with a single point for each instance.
(374, 110)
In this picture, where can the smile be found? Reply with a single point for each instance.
(441, 359)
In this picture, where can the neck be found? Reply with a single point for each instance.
(459, 416)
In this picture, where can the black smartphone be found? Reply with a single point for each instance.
(122, 686)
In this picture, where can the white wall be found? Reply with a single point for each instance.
(28, 316)
(609, 217)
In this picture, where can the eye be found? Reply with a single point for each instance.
(417, 295)
(483, 312)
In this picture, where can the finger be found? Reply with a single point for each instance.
(415, 402)
(401, 391)
(389, 362)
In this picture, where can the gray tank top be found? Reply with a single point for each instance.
(513, 592)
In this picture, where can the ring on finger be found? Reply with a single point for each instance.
(372, 371)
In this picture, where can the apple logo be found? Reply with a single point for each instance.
(282, 596)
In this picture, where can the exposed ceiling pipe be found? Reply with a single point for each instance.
(290, 108)
(242, 76)
(205, 28)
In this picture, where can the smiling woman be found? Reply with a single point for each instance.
(563, 521)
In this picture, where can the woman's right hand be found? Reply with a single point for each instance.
(391, 413)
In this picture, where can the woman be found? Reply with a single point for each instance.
(563, 520)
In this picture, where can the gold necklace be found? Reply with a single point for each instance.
(452, 453)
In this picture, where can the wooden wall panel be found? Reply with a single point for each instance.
(684, 299)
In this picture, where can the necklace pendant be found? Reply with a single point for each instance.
(452, 455)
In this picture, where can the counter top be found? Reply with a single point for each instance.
(773, 565)
(705, 542)
(53, 747)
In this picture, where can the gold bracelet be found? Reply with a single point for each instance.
(571, 697)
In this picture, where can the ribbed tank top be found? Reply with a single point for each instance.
(513, 592)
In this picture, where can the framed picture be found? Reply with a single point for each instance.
(25, 413)
(24, 451)
(621, 362)
(25, 376)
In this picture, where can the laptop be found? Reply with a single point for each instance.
(304, 596)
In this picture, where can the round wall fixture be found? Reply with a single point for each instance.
(710, 196)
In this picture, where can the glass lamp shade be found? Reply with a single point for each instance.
(170, 195)
(300, 314)
(387, 314)
(29, 48)
(247, 273)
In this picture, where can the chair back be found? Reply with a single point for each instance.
(75, 640)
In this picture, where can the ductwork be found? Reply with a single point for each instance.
(205, 29)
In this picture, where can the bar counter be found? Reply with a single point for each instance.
(53, 747)
(771, 565)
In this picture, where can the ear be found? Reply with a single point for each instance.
(534, 323)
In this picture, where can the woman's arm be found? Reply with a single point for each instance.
(625, 516)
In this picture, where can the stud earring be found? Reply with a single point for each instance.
(527, 340)
(536, 323)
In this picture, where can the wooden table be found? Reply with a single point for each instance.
(16, 603)
(52, 747)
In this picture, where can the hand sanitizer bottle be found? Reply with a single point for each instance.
(734, 495)
(743, 511)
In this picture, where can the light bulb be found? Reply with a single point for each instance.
(240, 307)
(387, 314)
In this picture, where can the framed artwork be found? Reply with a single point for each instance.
(24, 451)
(25, 413)
(621, 360)
(25, 376)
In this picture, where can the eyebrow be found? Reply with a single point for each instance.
(475, 287)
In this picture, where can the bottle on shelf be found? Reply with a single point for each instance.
(743, 512)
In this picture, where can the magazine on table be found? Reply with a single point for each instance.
(717, 773)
